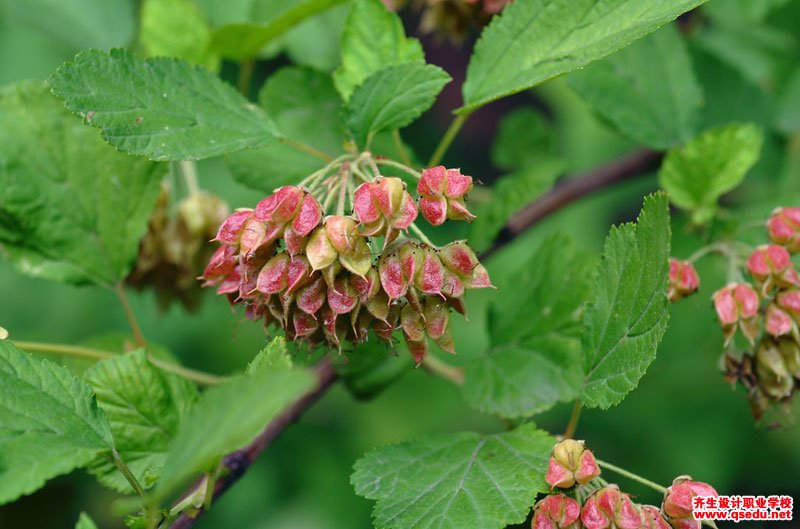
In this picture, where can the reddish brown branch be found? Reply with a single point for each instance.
(627, 167)
(237, 463)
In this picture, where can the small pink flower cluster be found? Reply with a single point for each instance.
(572, 465)
(316, 277)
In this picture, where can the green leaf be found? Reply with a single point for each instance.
(510, 194)
(315, 42)
(72, 208)
(306, 107)
(373, 39)
(392, 98)
(532, 41)
(226, 418)
(274, 356)
(625, 323)
(76, 23)
(144, 406)
(84, 522)
(455, 481)
(534, 325)
(49, 423)
(648, 90)
(165, 109)
(244, 40)
(373, 367)
(176, 28)
(524, 137)
(696, 175)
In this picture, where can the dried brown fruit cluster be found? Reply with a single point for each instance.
(600, 505)
(327, 279)
(176, 248)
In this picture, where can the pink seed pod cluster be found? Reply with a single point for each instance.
(442, 195)
(572, 466)
(320, 279)
(784, 228)
(683, 279)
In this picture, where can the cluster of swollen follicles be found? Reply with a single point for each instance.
(580, 498)
(765, 310)
(334, 278)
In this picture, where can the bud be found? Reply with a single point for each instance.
(790, 351)
(789, 301)
(608, 508)
(771, 266)
(737, 305)
(652, 518)
(231, 228)
(570, 462)
(384, 207)
(778, 322)
(773, 375)
(442, 194)
(459, 259)
(556, 511)
(683, 279)
(339, 239)
(290, 212)
(784, 228)
(678, 501)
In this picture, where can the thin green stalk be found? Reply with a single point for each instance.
(245, 74)
(138, 337)
(447, 139)
(89, 353)
(308, 149)
(211, 480)
(572, 425)
(127, 474)
(343, 192)
(421, 234)
(401, 149)
(402, 167)
(189, 172)
(631, 475)
(444, 370)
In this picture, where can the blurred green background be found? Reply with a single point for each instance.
(683, 418)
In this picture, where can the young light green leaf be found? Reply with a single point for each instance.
(78, 24)
(316, 41)
(535, 358)
(455, 481)
(49, 423)
(176, 28)
(697, 174)
(523, 138)
(532, 41)
(165, 109)
(648, 90)
(392, 98)
(72, 208)
(306, 107)
(273, 356)
(244, 40)
(144, 406)
(84, 522)
(510, 194)
(629, 313)
(226, 418)
(373, 39)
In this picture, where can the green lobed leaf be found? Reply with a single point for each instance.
(455, 481)
(244, 40)
(534, 325)
(648, 90)
(72, 208)
(162, 108)
(50, 423)
(392, 98)
(510, 194)
(373, 39)
(144, 406)
(226, 418)
(272, 357)
(76, 23)
(176, 28)
(523, 138)
(306, 107)
(532, 41)
(624, 325)
(84, 522)
(697, 174)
